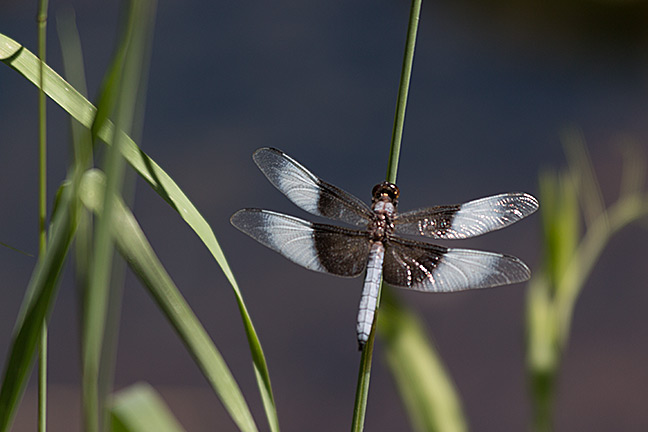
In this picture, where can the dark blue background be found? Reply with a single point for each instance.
(494, 86)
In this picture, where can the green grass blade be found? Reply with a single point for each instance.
(426, 391)
(543, 351)
(569, 259)
(118, 100)
(34, 311)
(133, 246)
(73, 65)
(20, 251)
(27, 64)
(634, 170)
(72, 55)
(580, 164)
(139, 408)
(24, 62)
(560, 221)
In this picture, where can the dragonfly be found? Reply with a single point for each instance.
(373, 247)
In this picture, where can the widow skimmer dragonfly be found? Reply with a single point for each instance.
(375, 249)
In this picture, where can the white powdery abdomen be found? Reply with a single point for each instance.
(369, 297)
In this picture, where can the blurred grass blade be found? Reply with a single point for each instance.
(20, 251)
(72, 55)
(634, 170)
(569, 259)
(561, 223)
(135, 249)
(542, 350)
(542, 321)
(35, 308)
(427, 393)
(589, 190)
(139, 408)
(24, 62)
(118, 100)
(81, 140)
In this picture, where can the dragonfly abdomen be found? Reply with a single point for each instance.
(367, 309)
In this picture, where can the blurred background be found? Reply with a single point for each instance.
(494, 85)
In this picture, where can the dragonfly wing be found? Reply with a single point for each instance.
(308, 191)
(320, 247)
(427, 267)
(467, 220)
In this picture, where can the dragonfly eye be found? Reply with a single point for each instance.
(385, 188)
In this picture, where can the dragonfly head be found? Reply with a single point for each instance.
(385, 191)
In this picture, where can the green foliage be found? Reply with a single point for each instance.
(42, 289)
(139, 408)
(118, 100)
(35, 308)
(423, 383)
(569, 257)
(135, 249)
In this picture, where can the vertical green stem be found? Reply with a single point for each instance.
(543, 397)
(41, 20)
(362, 389)
(403, 90)
(364, 374)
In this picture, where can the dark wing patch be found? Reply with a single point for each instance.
(320, 247)
(308, 191)
(467, 220)
(427, 267)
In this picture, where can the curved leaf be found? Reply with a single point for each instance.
(136, 250)
(27, 64)
(139, 408)
(35, 308)
(427, 392)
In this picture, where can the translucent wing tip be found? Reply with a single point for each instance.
(238, 219)
(260, 154)
(517, 269)
(529, 203)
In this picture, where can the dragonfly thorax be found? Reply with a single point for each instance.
(383, 224)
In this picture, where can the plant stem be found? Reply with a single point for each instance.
(41, 20)
(403, 90)
(362, 389)
(543, 385)
(364, 374)
(625, 211)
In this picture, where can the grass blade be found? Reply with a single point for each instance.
(24, 62)
(133, 246)
(118, 100)
(35, 308)
(582, 171)
(139, 408)
(569, 259)
(427, 392)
